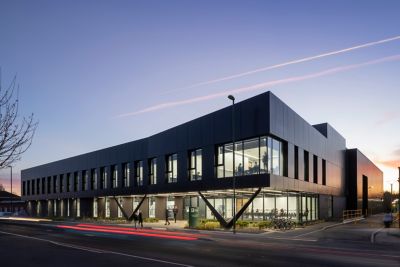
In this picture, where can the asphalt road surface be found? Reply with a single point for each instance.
(47, 244)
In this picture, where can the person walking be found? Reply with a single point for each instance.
(166, 217)
(135, 219)
(175, 210)
(140, 218)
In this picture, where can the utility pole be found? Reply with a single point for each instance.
(398, 201)
(231, 97)
(11, 199)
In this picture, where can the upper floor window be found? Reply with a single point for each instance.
(48, 185)
(61, 183)
(38, 186)
(126, 174)
(28, 188)
(252, 156)
(23, 188)
(43, 185)
(153, 171)
(55, 184)
(76, 181)
(172, 168)
(84, 180)
(195, 165)
(103, 177)
(139, 172)
(306, 166)
(68, 182)
(93, 177)
(33, 186)
(114, 176)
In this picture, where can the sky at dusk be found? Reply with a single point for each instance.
(101, 73)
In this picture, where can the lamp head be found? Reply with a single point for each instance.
(231, 97)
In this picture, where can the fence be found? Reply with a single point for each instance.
(349, 215)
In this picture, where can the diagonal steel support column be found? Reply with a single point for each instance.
(122, 210)
(245, 206)
(218, 216)
(130, 218)
(137, 208)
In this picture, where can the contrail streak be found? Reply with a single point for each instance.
(290, 63)
(261, 85)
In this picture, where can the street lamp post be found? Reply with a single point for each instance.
(12, 209)
(231, 97)
(398, 201)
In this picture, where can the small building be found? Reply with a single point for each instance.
(11, 203)
(278, 164)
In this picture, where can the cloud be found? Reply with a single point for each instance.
(391, 163)
(259, 86)
(387, 117)
(292, 62)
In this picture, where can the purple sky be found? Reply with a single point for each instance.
(92, 71)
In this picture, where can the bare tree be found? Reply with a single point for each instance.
(16, 133)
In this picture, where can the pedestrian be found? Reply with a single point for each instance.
(135, 219)
(166, 217)
(175, 210)
(140, 218)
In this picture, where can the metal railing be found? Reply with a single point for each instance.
(349, 215)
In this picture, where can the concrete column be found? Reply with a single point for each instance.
(179, 203)
(161, 205)
(145, 208)
(128, 205)
(101, 204)
(113, 208)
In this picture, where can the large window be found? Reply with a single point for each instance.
(76, 181)
(48, 185)
(306, 166)
(324, 172)
(126, 174)
(68, 182)
(195, 165)
(139, 173)
(93, 177)
(38, 186)
(84, 180)
(103, 177)
(23, 188)
(55, 184)
(252, 156)
(296, 162)
(153, 171)
(114, 176)
(172, 168)
(61, 183)
(43, 185)
(315, 165)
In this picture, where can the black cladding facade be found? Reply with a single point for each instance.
(312, 159)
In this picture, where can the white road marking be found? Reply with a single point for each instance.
(88, 249)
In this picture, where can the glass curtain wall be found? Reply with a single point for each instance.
(252, 156)
(266, 206)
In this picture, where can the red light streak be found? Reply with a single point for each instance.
(138, 230)
(126, 232)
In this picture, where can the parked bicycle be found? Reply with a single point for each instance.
(283, 223)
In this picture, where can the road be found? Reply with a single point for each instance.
(46, 244)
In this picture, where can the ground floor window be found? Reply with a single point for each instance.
(55, 208)
(95, 208)
(152, 207)
(78, 207)
(68, 212)
(107, 208)
(120, 201)
(266, 206)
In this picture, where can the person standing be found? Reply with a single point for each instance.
(140, 218)
(175, 210)
(166, 217)
(135, 219)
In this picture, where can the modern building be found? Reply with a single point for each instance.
(279, 166)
